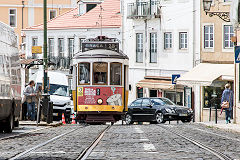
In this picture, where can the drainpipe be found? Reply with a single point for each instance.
(23, 6)
(194, 35)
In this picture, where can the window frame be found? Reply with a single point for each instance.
(90, 70)
(140, 49)
(73, 41)
(50, 13)
(155, 48)
(80, 43)
(209, 36)
(121, 80)
(170, 39)
(60, 54)
(15, 26)
(185, 40)
(229, 36)
(93, 82)
(50, 45)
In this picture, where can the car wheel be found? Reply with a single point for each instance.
(159, 118)
(9, 124)
(128, 119)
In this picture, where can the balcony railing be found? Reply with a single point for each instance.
(144, 9)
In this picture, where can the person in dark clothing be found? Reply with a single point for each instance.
(227, 95)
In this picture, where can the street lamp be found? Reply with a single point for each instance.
(223, 15)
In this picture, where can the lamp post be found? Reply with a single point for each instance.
(207, 6)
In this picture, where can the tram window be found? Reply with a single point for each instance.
(84, 73)
(115, 73)
(100, 73)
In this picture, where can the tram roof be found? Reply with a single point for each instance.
(101, 53)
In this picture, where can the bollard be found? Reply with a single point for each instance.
(216, 113)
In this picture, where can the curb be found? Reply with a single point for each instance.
(42, 124)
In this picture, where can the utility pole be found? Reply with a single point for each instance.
(45, 63)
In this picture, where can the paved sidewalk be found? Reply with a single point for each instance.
(54, 124)
(222, 125)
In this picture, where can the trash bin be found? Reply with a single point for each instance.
(50, 112)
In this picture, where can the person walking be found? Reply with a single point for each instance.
(227, 97)
(38, 102)
(29, 92)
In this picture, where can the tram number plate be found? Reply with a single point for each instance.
(182, 115)
(55, 114)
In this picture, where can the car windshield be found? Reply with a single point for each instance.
(59, 90)
(162, 101)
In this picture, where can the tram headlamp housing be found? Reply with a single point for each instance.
(99, 101)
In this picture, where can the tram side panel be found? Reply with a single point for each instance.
(100, 100)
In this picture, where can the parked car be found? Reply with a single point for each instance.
(156, 110)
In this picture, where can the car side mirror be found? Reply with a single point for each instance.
(150, 106)
(71, 97)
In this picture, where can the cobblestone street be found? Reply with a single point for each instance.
(120, 142)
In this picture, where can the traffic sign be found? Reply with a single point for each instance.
(37, 49)
(174, 78)
(237, 55)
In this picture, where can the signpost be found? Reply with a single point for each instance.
(37, 49)
(174, 78)
(237, 56)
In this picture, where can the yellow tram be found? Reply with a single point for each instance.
(100, 81)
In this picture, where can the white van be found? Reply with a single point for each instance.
(59, 93)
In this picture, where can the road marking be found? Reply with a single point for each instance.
(149, 147)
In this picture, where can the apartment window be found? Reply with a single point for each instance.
(51, 47)
(167, 40)
(13, 17)
(208, 36)
(139, 47)
(90, 7)
(52, 14)
(227, 0)
(80, 43)
(34, 41)
(153, 47)
(71, 47)
(183, 42)
(228, 33)
(61, 47)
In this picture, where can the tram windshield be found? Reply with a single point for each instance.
(100, 73)
(115, 74)
(84, 73)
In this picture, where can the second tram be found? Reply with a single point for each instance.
(100, 81)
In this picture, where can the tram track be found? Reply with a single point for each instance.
(18, 156)
(17, 135)
(218, 154)
(90, 148)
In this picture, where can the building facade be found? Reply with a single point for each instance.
(217, 63)
(161, 38)
(67, 32)
(20, 14)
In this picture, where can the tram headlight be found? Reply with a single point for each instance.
(99, 101)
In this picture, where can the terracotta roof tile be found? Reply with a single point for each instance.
(111, 18)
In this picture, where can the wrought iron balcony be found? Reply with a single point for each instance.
(144, 10)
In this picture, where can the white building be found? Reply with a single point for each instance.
(67, 31)
(161, 38)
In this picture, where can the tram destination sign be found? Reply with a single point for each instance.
(113, 46)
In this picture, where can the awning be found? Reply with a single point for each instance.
(156, 84)
(205, 73)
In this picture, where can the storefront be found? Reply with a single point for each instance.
(160, 87)
(210, 79)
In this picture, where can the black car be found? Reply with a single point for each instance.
(156, 110)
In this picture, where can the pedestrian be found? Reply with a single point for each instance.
(30, 94)
(227, 98)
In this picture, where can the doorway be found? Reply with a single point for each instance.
(153, 93)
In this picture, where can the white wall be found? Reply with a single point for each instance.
(177, 16)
